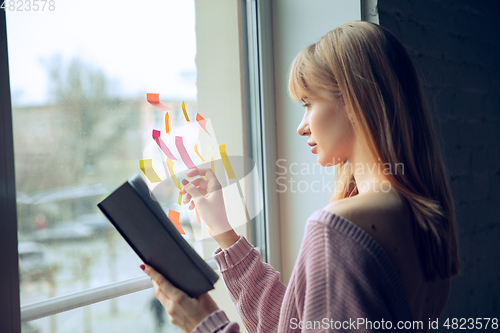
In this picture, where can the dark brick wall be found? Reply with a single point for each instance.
(455, 45)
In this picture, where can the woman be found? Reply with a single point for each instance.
(384, 250)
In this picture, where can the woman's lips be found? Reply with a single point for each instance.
(313, 149)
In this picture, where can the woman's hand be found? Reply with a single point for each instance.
(184, 311)
(206, 195)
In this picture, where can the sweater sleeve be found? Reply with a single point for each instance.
(217, 322)
(338, 285)
(253, 286)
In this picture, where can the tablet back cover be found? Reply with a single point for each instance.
(144, 225)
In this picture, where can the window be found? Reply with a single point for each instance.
(79, 77)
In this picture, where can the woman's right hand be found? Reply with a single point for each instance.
(205, 194)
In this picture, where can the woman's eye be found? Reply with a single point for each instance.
(306, 105)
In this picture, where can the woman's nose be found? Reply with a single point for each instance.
(303, 128)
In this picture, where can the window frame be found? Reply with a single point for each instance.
(261, 121)
(256, 39)
(10, 315)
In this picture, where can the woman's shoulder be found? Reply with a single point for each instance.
(388, 220)
(382, 215)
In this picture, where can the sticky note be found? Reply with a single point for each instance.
(154, 100)
(184, 110)
(167, 128)
(162, 145)
(196, 151)
(180, 198)
(212, 165)
(227, 164)
(203, 122)
(184, 154)
(170, 166)
(174, 217)
(147, 167)
(197, 215)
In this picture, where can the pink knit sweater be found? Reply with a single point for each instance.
(342, 281)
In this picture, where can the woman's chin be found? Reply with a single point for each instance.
(326, 162)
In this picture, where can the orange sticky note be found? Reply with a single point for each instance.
(174, 217)
(184, 110)
(167, 128)
(227, 164)
(203, 122)
(197, 215)
(154, 100)
(147, 168)
(196, 151)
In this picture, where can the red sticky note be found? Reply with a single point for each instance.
(174, 217)
(203, 122)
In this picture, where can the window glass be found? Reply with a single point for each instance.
(138, 312)
(80, 72)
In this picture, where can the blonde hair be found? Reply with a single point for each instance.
(369, 67)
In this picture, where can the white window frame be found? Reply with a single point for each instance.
(369, 11)
(261, 139)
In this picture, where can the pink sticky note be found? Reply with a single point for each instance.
(162, 145)
(184, 154)
(156, 134)
(154, 100)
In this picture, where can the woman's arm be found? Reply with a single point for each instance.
(253, 286)
(217, 322)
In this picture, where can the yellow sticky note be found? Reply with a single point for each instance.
(170, 166)
(147, 167)
(196, 151)
(180, 198)
(227, 164)
(184, 110)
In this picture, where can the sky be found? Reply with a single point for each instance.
(142, 46)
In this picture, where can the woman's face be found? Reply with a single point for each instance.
(328, 127)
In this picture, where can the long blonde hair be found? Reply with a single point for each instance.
(369, 67)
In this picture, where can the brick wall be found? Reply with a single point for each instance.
(455, 45)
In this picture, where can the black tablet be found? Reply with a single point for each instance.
(141, 221)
